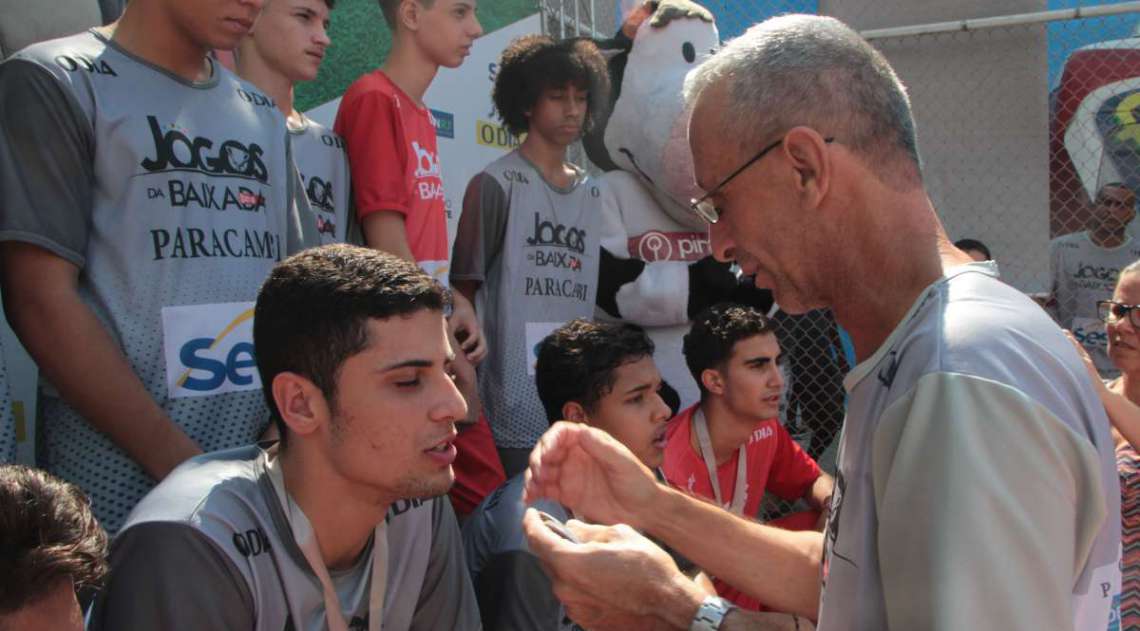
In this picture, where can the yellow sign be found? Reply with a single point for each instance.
(492, 135)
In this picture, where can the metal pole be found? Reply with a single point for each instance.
(1020, 19)
(561, 19)
(577, 19)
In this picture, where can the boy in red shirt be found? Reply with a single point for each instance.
(730, 447)
(391, 142)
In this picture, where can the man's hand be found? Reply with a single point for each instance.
(464, 325)
(615, 578)
(593, 474)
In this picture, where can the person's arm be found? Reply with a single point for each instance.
(446, 599)
(41, 300)
(597, 477)
(618, 579)
(1123, 413)
(169, 576)
(46, 189)
(999, 488)
(385, 230)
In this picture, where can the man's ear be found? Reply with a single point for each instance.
(713, 381)
(812, 160)
(573, 411)
(300, 402)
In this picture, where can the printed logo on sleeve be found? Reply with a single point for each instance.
(209, 349)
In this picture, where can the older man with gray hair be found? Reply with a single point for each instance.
(976, 487)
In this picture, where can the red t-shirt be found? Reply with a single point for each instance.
(776, 463)
(395, 164)
(478, 470)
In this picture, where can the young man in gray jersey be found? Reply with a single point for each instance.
(976, 484)
(147, 192)
(339, 525)
(284, 48)
(1085, 266)
(527, 247)
(599, 374)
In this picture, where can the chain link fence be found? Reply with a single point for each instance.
(1028, 115)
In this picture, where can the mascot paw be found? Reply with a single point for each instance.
(613, 272)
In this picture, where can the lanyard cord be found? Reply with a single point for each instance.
(740, 490)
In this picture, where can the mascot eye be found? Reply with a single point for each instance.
(688, 52)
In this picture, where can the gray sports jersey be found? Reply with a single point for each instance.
(977, 484)
(535, 249)
(210, 548)
(174, 199)
(320, 157)
(1084, 273)
(513, 591)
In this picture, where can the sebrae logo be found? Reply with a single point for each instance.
(444, 123)
(209, 349)
(175, 150)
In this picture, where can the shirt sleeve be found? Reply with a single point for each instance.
(47, 171)
(482, 229)
(988, 507)
(516, 595)
(793, 471)
(377, 153)
(169, 576)
(447, 600)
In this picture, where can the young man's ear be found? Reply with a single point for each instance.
(408, 14)
(573, 411)
(301, 403)
(713, 381)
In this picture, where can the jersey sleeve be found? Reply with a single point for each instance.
(482, 229)
(47, 171)
(516, 595)
(169, 576)
(377, 153)
(793, 471)
(447, 600)
(988, 508)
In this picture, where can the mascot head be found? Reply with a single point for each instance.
(659, 44)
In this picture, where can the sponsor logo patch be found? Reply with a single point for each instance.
(209, 349)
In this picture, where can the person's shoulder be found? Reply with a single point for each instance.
(499, 516)
(319, 135)
(234, 87)
(372, 84)
(1070, 241)
(218, 483)
(71, 53)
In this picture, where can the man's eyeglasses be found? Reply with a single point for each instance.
(705, 209)
(1113, 312)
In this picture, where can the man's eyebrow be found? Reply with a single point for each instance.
(762, 360)
(639, 387)
(408, 363)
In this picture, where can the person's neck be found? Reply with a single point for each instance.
(550, 159)
(410, 71)
(727, 431)
(1106, 238)
(254, 69)
(342, 515)
(145, 32)
(902, 246)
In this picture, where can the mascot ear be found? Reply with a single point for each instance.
(669, 10)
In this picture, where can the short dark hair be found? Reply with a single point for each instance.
(715, 332)
(973, 244)
(577, 362)
(533, 63)
(47, 533)
(389, 8)
(312, 311)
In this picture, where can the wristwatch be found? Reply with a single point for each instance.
(711, 614)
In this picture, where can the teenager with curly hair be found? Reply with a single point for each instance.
(527, 247)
